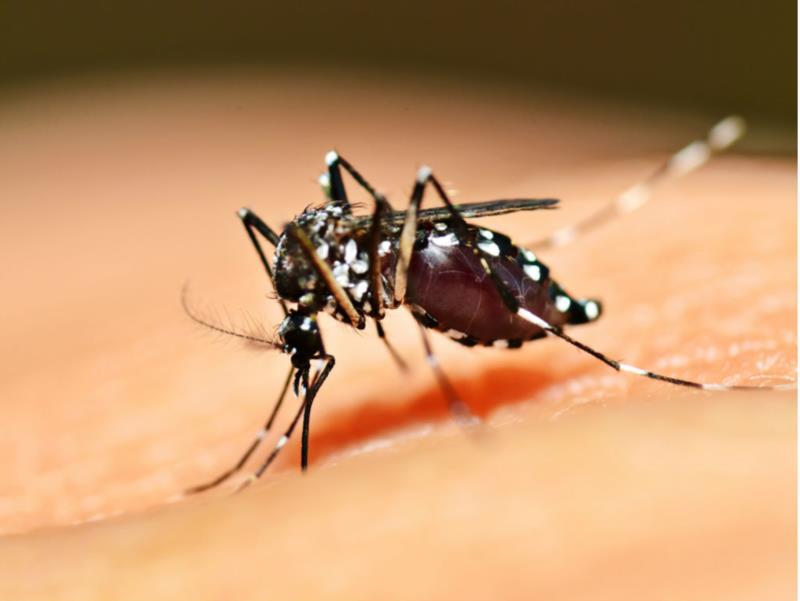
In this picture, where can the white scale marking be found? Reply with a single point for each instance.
(534, 272)
(563, 303)
(359, 290)
(633, 197)
(424, 174)
(534, 319)
(323, 250)
(350, 251)
(331, 158)
(592, 310)
(307, 299)
(726, 132)
(360, 266)
(447, 240)
(564, 237)
(632, 369)
(341, 274)
(281, 442)
(689, 158)
(489, 247)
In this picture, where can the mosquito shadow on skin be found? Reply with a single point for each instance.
(493, 388)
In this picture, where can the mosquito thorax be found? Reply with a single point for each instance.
(295, 276)
(341, 243)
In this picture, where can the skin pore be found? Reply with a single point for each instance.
(582, 483)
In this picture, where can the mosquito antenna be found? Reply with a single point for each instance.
(693, 156)
(218, 327)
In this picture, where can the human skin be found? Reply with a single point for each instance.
(580, 484)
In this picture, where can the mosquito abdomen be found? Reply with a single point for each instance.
(449, 290)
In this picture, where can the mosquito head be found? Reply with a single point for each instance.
(301, 338)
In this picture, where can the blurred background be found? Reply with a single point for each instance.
(130, 132)
(713, 57)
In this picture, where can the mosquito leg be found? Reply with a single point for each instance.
(308, 399)
(333, 184)
(457, 407)
(407, 236)
(425, 176)
(252, 224)
(721, 136)
(382, 207)
(691, 157)
(513, 305)
(632, 369)
(262, 433)
(392, 351)
(319, 380)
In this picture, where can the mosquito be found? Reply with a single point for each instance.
(469, 282)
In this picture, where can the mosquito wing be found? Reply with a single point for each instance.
(469, 210)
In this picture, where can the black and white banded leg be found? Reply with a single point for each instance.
(260, 436)
(401, 364)
(424, 177)
(304, 411)
(693, 156)
(632, 369)
(729, 132)
(457, 407)
(407, 235)
(513, 305)
(333, 186)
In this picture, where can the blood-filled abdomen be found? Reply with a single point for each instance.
(449, 289)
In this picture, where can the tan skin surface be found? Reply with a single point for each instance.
(582, 484)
